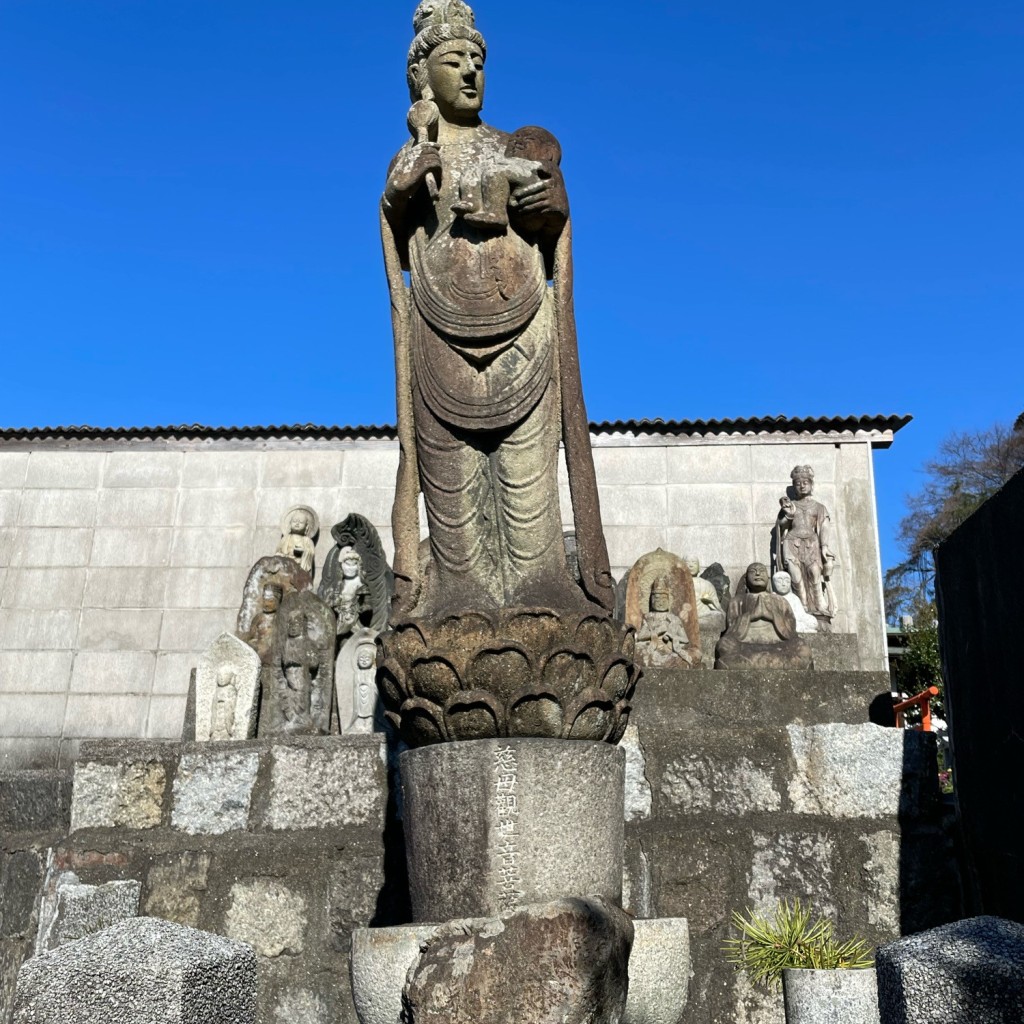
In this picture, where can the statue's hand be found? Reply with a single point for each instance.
(788, 508)
(544, 196)
(411, 169)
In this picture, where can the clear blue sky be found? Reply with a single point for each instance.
(803, 208)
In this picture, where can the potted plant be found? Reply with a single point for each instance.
(824, 981)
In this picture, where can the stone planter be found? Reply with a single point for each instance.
(831, 997)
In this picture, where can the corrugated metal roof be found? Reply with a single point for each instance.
(878, 423)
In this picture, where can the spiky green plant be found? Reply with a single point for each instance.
(793, 937)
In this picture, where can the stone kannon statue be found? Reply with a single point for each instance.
(356, 580)
(662, 606)
(782, 584)
(661, 641)
(802, 544)
(227, 690)
(761, 631)
(488, 387)
(299, 694)
(359, 708)
(299, 528)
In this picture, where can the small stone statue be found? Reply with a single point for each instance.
(783, 586)
(260, 635)
(709, 608)
(662, 607)
(356, 580)
(661, 641)
(358, 702)
(227, 690)
(761, 631)
(299, 688)
(299, 528)
(803, 547)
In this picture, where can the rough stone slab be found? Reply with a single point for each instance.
(213, 791)
(563, 962)
(834, 652)
(142, 971)
(861, 771)
(694, 783)
(970, 972)
(328, 783)
(536, 819)
(380, 962)
(268, 915)
(830, 997)
(659, 971)
(69, 910)
(129, 795)
(638, 788)
(20, 874)
(34, 801)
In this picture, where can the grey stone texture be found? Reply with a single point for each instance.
(140, 971)
(213, 791)
(659, 971)
(830, 997)
(69, 910)
(495, 824)
(981, 602)
(380, 962)
(969, 972)
(227, 690)
(156, 537)
(562, 962)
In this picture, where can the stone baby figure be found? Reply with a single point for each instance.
(531, 154)
(662, 641)
(782, 584)
(299, 527)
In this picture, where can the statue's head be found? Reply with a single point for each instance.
(782, 582)
(272, 595)
(446, 59)
(351, 563)
(661, 596)
(757, 577)
(803, 480)
(692, 565)
(297, 623)
(299, 522)
(225, 676)
(365, 656)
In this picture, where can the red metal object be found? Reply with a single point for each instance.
(924, 698)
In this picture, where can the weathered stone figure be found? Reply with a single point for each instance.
(762, 629)
(358, 701)
(662, 641)
(356, 580)
(709, 609)
(782, 584)
(227, 690)
(803, 546)
(299, 527)
(487, 368)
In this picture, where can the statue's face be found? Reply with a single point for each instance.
(454, 73)
(693, 566)
(270, 600)
(351, 563)
(296, 624)
(365, 657)
(299, 523)
(803, 485)
(757, 577)
(659, 601)
(782, 582)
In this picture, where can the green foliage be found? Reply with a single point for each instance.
(766, 946)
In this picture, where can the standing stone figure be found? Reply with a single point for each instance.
(358, 702)
(487, 369)
(783, 586)
(803, 547)
(356, 580)
(280, 571)
(299, 688)
(227, 690)
(762, 629)
(299, 528)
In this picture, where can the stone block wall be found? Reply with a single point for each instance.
(120, 561)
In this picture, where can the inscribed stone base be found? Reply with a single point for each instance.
(491, 825)
(968, 972)
(141, 971)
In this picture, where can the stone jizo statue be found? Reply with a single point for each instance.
(761, 630)
(299, 528)
(227, 690)
(783, 586)
(803, 547)
(485, 347)
(661, 641)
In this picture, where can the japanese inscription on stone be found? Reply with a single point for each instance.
(506, 770)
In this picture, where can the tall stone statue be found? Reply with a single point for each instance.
(803, 547)
(485, 347)
(490, 634)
